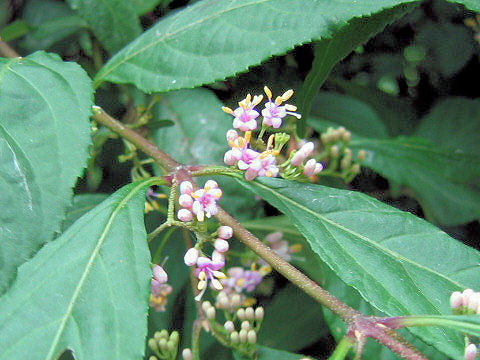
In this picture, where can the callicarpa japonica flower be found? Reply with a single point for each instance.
(245, 116)
(159, 289)
(274, 111)
(201, 203)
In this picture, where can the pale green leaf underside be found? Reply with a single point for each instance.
(43, 147)
(213, 39)
(86, 291)
(398, 262)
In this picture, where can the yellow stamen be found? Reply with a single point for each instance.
(270, 142)
(202, 275)
(289, 107)
(278, 100)
(227, 110)
(219, 274)
(161, 196)
(201, 285)
(257, 99)
(240, 282)
(148, 208)
(265, 270)
(287, 95)
(155, 205)
(253, 267)
(248, 136)
(268, 173)
(249, 302)
(217, 284)
(295, 248)
(268, 92)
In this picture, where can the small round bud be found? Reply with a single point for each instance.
(159, 274)
(466, 294)
(157, 335)
(229, 327)
(356, 169)
(456, 300)
(163, 344)
(324, 138)
(164, 334)
(334, 151)
(221, 245)
(187, 354)
(210, 313)
(318, 168)
(241, 314)
(309, 168)
(337, 134)
(184, 215)
(245, 325)
(234, 337)
(249, 313)
(225, 232)
(171, 346)
(252, 337)
(347, 135)
(361, 155)
(473, 301)
(152, 344)
(191, 257)
(206, 305)
(232, 135)
(218, 256)
(223, 301)
(175, 337)
(229, 158)
(152, 357)
(243, 336)
(186, 187)
(185, 201)
(259, 313)
(211, 184)
(471, 352)
(236, 300)
(298, 158)
(307, 148)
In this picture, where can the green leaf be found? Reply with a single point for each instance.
(469, 4)
(86, 291)
(467, 324)
(445, 182)
(50, 21)
(453, 123)
(265, 353)
(114, 22)
(399, 263)
(352, 113)
(14, 30)
(211, 40)
(81, 205)
(330, 51)
(45, 106)
(144, 6)
(198, 137)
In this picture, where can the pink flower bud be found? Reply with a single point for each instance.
(159, 274)
(466, 294)
(221, 245)
(186, 187)
(471, 352)
(298, 158)
(250, 174)
(318, 168)
(229, 158)
(456, 300)
(185, 215)
(210, 184)
(225, 232)
(232, 135)
(185, 201)
(154, 286)
(218, 257)
(473, 301)
(274, 237)
(191, 257)
(307, 148)
(309, 167)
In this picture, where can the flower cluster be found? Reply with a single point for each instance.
(281, 247)
(240, 279)
(466, 302)
(164, 345)
(159, 289)
(200, 203)
(207, 269)
(311, 167)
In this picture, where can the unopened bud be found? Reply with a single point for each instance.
(185, 201)
(473, 301)
(221, 245)
(191, 257)
(471, 352)
(236, 300)
(298, 158)
(456, 300)
(175, 337)
(259, 313)
(206, 305)
(184, 215)
(347, 135)
(252, 337)
(218, 256)
(152, 344)
(307, 148)
(187, 354)
(210, 313)
(171, 346)
(186, 187)
(318, 168)
(157, 336)
(249, 313)
(164, 334)
(324, 138)
(163, 344)
(225, 232)
(224, 302)
(229, 158)
(243, 336)
(466, 294)
(159, 274)
(245, 325)
(274, 237)
(361, 155)
(334, 151)
(232, 135)
(309, 167)
(356, 169)
(152, 357)
(234, 337)
(211, 184)
(241, 314)
(229, 327)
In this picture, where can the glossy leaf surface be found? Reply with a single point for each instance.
(43, 148)
(87, 290)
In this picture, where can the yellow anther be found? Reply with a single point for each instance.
(227, 110)
(264, 270)
(287, 95)
(161, 196)
(257, 99)
(268, 92)
(295, 248)
(219, 275)
(278, 100)
(248, 136)
(249, 302)
(201, 285)
(155, 205)
(217, 284)
(240, 282)
(270, 142)
(289, 107)
(202, 275)
(268, 173)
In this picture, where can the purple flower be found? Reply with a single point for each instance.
(240, 279)
(245, 116)
(274, 111)
(207, 270)
(202, 202)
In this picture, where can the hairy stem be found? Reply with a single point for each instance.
(342, 349)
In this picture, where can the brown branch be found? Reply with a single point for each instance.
(7, 51)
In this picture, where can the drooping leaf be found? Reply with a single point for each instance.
(469, 4)
(444, 181)
(44, 138)
(114, 22)
(265, 353)
(330, 51)
(87, 290)
(453, 123)
(211, 40)
(81, 205)
(198, 137)
(399, 263)
(14, 30)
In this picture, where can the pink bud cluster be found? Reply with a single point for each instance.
(206, 269)
(159, 289)
(201, 203)
(466, 302)
(312, 167)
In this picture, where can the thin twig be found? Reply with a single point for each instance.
(7, 51)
